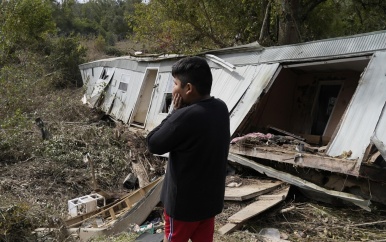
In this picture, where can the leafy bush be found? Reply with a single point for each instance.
(23, 25)
(100, 43)
(16, 223)
(114, 51)
(66, 53)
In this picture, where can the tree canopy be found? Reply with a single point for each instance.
(189, 26)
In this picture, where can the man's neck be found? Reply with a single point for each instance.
(200, 98)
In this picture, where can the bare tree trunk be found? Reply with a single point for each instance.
(288, 26)
(264, 32)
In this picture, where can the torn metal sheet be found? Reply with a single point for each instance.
(262, 78)
(100, 85)
(363, 112)
(301, 183)
(230, 86)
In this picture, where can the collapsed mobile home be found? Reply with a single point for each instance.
(314, 110)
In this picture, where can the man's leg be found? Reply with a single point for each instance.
(181, 231)
(204, 231)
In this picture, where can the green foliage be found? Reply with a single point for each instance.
(95, 17)
(66, 54)
(16, 223)
(100, 43)
(192, 26)
(23, 24)
(13, 132)
(112, 51)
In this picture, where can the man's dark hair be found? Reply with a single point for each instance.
(196, 71)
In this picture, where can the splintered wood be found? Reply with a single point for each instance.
(250, 191)
(263, 203)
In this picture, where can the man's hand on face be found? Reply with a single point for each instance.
(177, 101)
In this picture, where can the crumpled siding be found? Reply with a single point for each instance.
(362, 115)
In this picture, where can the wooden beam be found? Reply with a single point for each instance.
(258, 207)
(301, 183)
(249, 191)
(344, 166)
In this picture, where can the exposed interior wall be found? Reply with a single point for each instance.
(276, 105)
(350, 83)
(306, 94)
(144, 99)
(291, 101)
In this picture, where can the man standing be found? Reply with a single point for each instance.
(197, 136)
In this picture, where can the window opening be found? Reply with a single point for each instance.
(104, 74)
(166, 102)
(123, 86)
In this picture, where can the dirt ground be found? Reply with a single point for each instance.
(35, 188)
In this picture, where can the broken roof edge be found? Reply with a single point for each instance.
(329, 39)
(254, 46)
(340, 47)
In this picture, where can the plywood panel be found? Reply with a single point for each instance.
(249, 191)
(258, 207)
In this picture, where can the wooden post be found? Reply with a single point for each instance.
(87, 158)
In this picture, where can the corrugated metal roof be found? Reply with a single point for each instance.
(129, 62)
(356, 45)
(363, 112)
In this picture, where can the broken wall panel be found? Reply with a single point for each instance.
(230, 86)
(276, 106)
(143, 103)
(301, 183)
(306, 117)
(289, 103)
(128, 86)
(101, 85)
(264, 76)
(163, 87)
(363, 112)
(90, 77)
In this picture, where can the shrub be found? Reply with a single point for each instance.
(16, 223)
(66, 53)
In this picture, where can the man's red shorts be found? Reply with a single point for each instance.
(181, 231)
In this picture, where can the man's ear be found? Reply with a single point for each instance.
(189, 88)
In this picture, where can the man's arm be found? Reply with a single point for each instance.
(164, 137)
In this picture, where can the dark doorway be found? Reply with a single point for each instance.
(324, 106)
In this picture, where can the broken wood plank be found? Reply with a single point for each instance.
(229, 228)
(344, 166)
(286, 133)
(258, 207)
(380, 146)
(249, 191)
(301, 183)
(374, 157)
